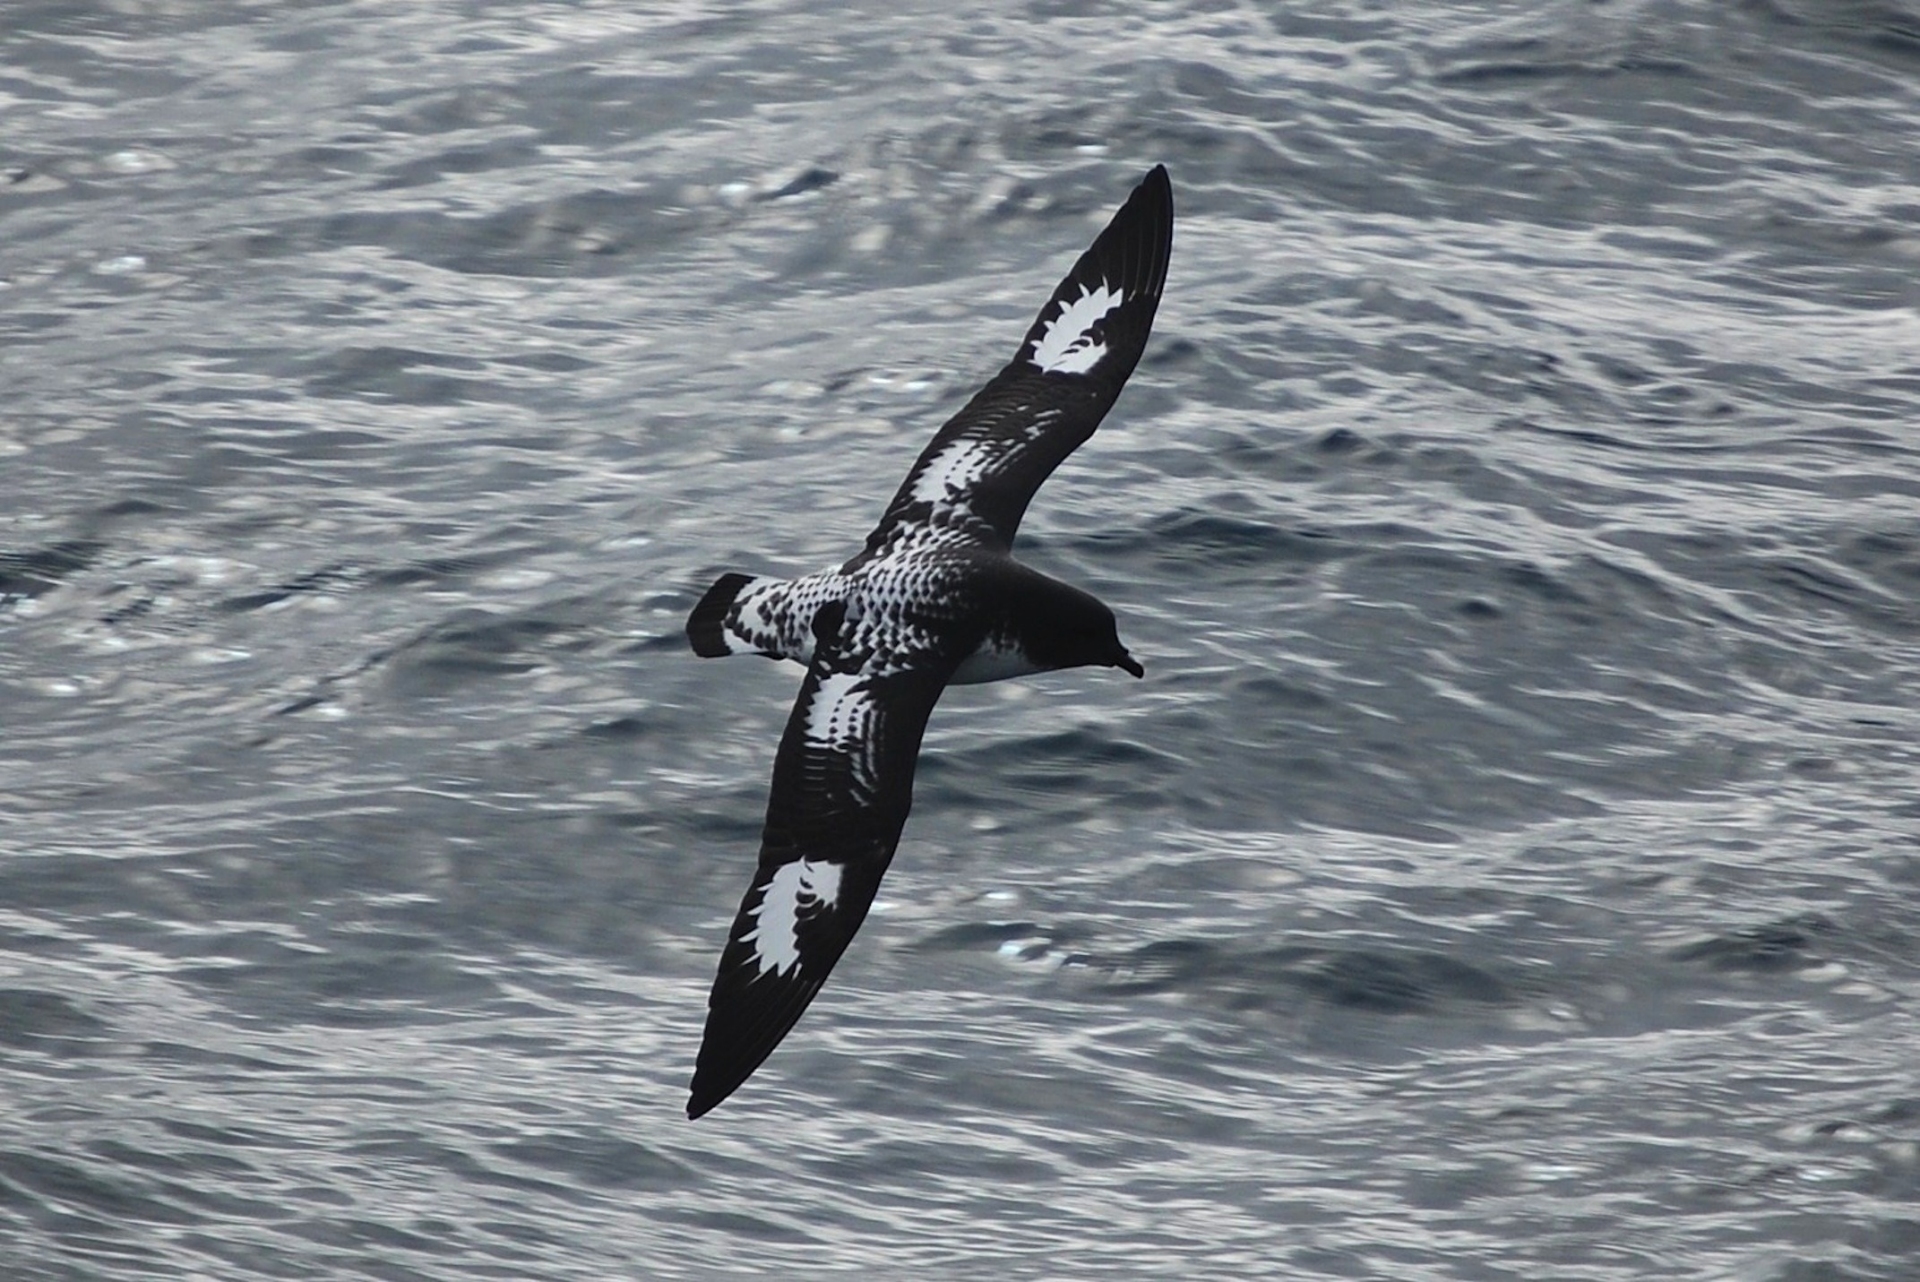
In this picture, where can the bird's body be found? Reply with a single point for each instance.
(895, 600)
(935, 598)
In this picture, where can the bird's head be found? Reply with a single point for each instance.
(1079, 631)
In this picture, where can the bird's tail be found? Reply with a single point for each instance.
(707, 625)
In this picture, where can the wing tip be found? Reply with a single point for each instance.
(1130, 256)
(1137, 243)
(1155, 192)
(741, 1034)
(716, 1079)
(700, 1103)
(1154, 189)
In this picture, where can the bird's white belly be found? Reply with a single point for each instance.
(995, 660)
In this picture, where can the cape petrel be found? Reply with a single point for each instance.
(934, 598)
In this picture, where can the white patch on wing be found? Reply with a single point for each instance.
(1068, 347)
(837, 717)
(1041, 423)
(792, 889)
(952, 470)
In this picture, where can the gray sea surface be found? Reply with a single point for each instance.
(1509, 868)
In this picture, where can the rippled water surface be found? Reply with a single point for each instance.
(1510, 868)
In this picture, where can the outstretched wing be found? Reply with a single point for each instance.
(992, 456)
(842, 785)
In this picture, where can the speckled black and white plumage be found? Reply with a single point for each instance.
(934, 598)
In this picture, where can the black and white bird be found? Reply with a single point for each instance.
(933, 599)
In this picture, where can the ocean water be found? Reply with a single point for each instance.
(1509, 868)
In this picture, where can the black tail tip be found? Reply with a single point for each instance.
(706, 626)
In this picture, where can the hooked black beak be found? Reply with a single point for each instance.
(1127, 663)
